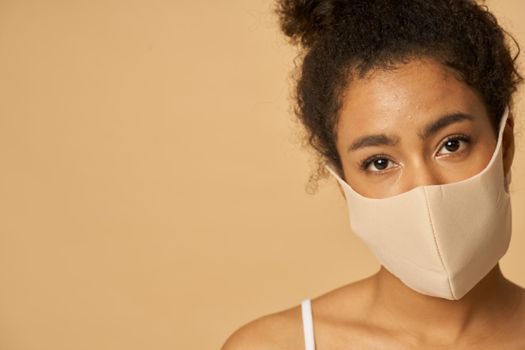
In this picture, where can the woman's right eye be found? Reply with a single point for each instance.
(379, 162)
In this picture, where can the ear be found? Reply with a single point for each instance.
(508, 143)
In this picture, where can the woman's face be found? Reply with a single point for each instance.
(410, 126)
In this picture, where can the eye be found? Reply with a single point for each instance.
(380, 162)
(454, 143)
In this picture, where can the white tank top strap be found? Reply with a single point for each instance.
(308, 326)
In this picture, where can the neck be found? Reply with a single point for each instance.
(484, 307)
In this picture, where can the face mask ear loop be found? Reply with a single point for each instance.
(508, 176)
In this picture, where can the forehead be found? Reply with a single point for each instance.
(404, 98)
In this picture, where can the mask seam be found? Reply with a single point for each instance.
(437, 244)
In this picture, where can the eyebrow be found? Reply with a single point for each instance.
(429, 130)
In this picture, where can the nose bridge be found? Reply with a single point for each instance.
(421, 173)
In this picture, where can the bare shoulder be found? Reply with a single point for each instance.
(280, 330)
(334, 312)
(347, 304)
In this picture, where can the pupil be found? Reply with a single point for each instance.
(380, 163)
(452, 145)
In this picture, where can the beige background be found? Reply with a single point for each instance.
(152, 181)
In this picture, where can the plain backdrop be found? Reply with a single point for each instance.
(152, 178)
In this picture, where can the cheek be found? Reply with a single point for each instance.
(480, 157)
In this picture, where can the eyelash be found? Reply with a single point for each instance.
(367, 161)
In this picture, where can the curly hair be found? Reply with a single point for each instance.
(341, 40)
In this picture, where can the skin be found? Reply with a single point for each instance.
(380, 312)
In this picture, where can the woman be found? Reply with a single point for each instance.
(408, 104)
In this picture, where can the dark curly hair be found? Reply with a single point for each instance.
(344, 39)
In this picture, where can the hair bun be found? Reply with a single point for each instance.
(304, 21)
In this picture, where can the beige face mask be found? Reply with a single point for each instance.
(439, 240)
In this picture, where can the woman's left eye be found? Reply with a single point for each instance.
(453, 144)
